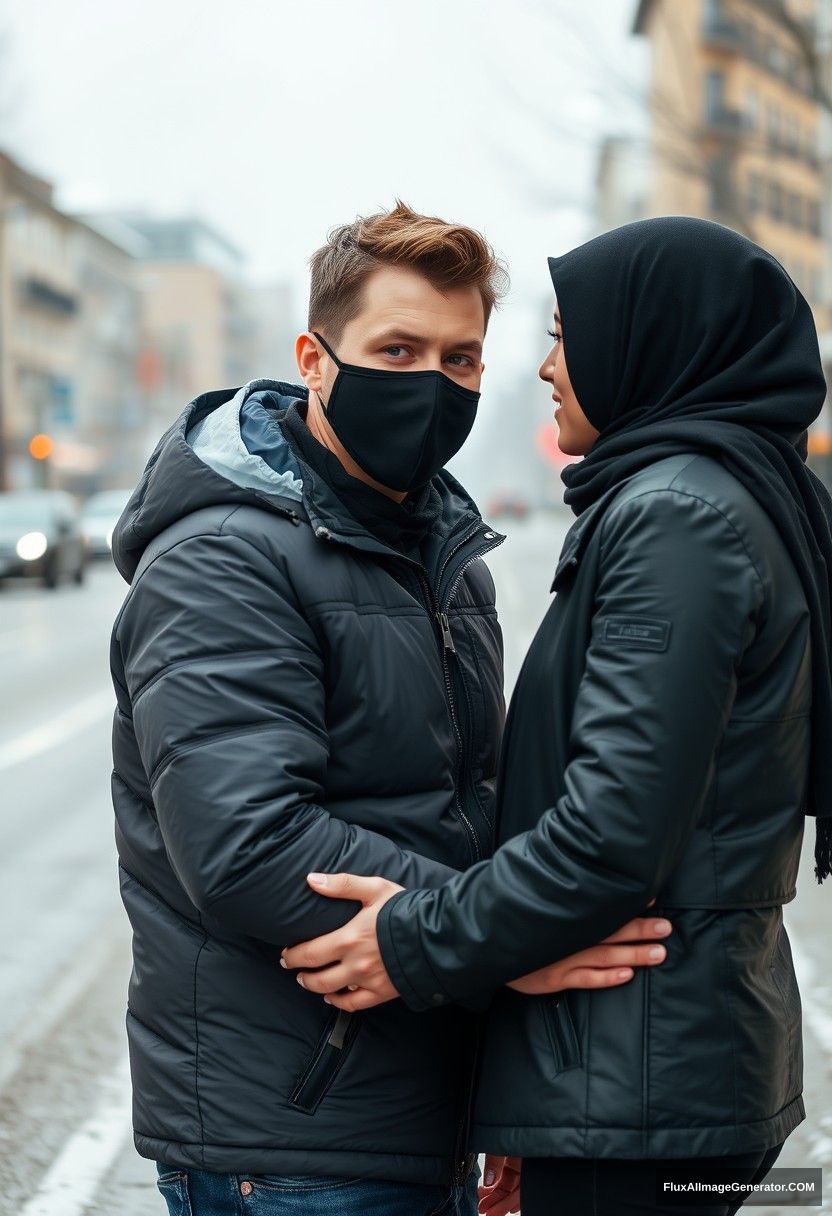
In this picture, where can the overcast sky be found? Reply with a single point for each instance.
(276, 120)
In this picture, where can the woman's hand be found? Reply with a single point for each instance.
(500, 1189)
(604, 966)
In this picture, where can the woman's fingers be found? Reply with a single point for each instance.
(642, 928)
(500, 1195)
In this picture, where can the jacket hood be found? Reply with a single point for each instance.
(226, 447)
(177, 480)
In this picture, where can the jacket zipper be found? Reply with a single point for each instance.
(447, 647)
(462, 1160)
(447, 644)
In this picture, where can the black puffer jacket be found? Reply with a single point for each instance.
(657, 744)
(293, 695)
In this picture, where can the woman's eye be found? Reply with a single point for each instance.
(555, 337)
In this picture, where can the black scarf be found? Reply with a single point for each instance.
(681, 335)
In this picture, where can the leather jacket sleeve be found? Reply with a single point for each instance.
(226, 682)
(649, 715)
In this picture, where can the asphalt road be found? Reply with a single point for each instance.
(65, 1144)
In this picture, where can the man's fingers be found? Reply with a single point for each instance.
(642, 928)
(320, 952)
(352, 1002)
(331, 979)
(346, 886)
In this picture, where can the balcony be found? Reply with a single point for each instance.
(725, 121)
(723, 34)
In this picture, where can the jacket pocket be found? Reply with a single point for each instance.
(330, 1053)
(563, 1036)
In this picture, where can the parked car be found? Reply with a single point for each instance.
(98, 518)
(507, 503)
(41, 537)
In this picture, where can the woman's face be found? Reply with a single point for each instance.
(577, 434)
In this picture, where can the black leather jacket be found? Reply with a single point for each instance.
(657, 744)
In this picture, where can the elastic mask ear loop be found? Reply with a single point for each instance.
(332, 356)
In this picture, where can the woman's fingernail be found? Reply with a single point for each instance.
(284, 964)
(327, 1001)
(300, 981)
(661, 926)
(319, 880)
(625, 973)
(657, 952)
(489, 1177)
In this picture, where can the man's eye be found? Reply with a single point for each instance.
(395, 350)
(464, 361)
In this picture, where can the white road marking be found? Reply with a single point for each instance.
(70, 1185)
(56, 730)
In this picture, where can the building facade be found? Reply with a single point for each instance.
(738, 133)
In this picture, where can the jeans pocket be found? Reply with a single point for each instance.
(295, 1183)
(173, 1186)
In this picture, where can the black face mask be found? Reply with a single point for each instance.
(399, 427)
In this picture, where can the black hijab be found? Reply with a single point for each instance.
(682, 335)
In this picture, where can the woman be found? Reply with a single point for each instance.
(667, 735)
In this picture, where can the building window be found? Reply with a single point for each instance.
(714, 94)
(791, 136)
(752, 108)
(813, 220)
(756, 187)
(773, 123)
(794, 210)
(775, 201)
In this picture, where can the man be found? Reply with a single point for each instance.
(308, 673)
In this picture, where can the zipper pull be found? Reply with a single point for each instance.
(445, 626)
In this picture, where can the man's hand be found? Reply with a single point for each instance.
(349, 957)
(604, 966)
(500, 1189)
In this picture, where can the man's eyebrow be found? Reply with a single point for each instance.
(400, 335)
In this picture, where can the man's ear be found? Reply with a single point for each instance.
(309, 358)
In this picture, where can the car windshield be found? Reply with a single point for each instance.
(26, 511)
(106, 504)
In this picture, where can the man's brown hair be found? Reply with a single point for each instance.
(448, 255)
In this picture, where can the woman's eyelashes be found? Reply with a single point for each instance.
(554, 336)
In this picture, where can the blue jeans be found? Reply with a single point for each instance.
(203, 1193)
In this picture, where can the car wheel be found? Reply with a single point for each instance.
(80, 573)
(50, 575)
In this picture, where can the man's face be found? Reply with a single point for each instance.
(406, 324)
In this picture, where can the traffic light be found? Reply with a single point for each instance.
(40, 447)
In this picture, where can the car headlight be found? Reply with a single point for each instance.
(31, 546)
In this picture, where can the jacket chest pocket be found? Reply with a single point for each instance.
(563, 1037)
(329, 1055)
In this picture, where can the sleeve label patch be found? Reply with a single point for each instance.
(640, 632)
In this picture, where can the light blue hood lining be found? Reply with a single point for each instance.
(218, 442)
